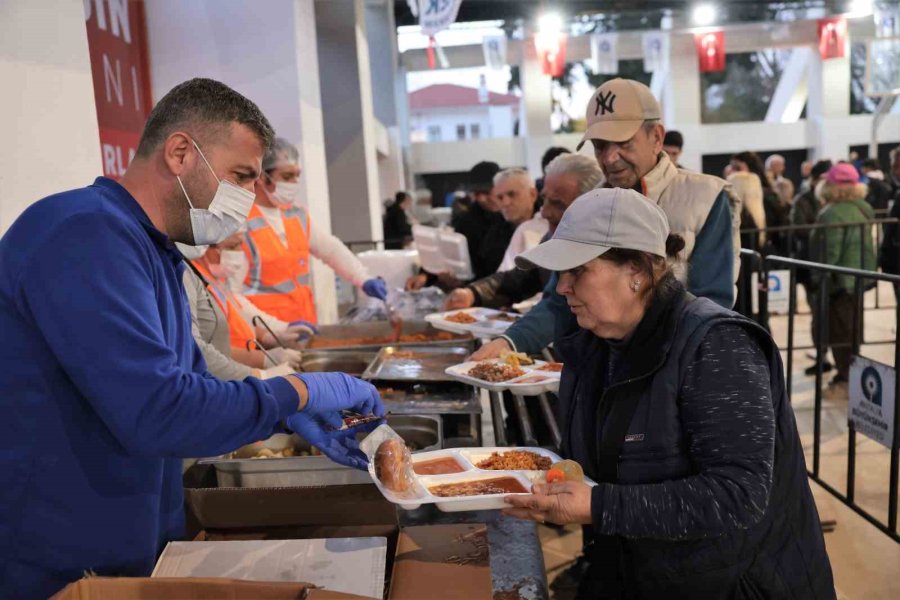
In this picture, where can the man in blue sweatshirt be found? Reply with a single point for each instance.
(103, 388)
(624, 127)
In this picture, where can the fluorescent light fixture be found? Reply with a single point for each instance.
(861, 8)
(550, 23)
(704, 15)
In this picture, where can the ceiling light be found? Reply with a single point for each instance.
(704, 15)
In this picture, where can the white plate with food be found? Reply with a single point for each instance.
(462, 479)
(481, 322)
(513, 371)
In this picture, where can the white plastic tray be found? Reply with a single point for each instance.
(522, 385)
(484, 326)
(467, 458)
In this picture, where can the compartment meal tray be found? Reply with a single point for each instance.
(488, 321)
(467, 458)
(535, 380)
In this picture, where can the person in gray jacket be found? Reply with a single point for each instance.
(566, 177)
(678, 409)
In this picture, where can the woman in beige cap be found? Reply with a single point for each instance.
(677, 407)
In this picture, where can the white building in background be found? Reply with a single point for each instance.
(450, 113)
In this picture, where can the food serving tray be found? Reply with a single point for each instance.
(372, 335)
(535, 380)
(414, 363)
(488, 321)
(467, 458)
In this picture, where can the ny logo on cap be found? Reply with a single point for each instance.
(605, 103)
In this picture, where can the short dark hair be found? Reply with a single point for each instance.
(551, 153)
(673, 138)
(820, 168)
(202, 104)
(401, 196)
(481, 176)
(870, 163)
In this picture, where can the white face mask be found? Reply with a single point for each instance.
(226, 213)
(191, 252)
(286, 193)
(236, 267)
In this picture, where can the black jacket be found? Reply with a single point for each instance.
(674, 517)
(505, 288)
(487, 236)
(397, 229)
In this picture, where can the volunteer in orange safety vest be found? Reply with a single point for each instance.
(280, 239)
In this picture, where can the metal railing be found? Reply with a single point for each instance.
(823, 300)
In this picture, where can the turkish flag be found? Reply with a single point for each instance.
(551, 49)
(710, 51)
(832, 37)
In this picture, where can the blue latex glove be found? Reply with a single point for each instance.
(330, 393)
(306, 324)
(375, 288)
(339, 446)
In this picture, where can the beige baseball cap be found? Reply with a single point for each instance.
(596, 222)
(617, 110)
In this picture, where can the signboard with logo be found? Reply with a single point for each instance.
(117, 42)
(873, 400)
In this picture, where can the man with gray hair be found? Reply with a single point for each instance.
(567, 177)
(517, 195)
(784, 187)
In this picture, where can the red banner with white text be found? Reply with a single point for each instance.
(117, 41)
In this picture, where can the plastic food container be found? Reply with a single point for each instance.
(488, 322)
(467, 458)
(536, 379)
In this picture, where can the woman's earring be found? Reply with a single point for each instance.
(635, 285)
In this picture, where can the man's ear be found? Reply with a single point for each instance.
(177, 150)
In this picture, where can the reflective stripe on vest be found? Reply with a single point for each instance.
(254, 283)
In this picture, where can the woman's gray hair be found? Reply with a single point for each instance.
(584, 168)
(512, 172)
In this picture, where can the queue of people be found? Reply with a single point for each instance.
(186, 289)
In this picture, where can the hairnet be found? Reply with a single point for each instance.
(281, 152)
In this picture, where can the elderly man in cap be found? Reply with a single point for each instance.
(624, 127)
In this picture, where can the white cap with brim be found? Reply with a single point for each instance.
(596, 222)
(617, 110)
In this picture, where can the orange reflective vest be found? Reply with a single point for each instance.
(278, 281)
(239, 330)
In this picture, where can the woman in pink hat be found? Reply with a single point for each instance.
(844, 199)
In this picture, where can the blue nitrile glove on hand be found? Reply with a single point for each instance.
(375, 288)
(300, 327)
(328, 394)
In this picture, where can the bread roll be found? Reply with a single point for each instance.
(393, 465)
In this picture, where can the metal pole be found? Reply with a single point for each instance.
(792, 308)
(497, 419)
(895, 450)
(528, 437)
(550, 418)
(821, 349)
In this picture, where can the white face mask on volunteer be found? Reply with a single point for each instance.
(286, 193)
(191, 252)
(226, 213)
(236, 268)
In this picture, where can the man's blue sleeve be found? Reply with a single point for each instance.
(548, 321)
(711, 266)
(89, 290)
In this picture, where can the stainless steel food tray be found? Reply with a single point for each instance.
(415, 363)
(309, 471)
(353, 362)
(330, 336)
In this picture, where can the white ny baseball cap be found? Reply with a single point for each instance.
(617, 110)
(596, 222)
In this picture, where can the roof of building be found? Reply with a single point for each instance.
(445, 95)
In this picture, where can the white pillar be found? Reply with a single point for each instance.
(538, 106)
(680, 98)
(349, 119)
(828, 106)
(314, 182)
(51, 141)
(221, 40)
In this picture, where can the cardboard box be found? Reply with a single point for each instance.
(145, 588)
(443, 561)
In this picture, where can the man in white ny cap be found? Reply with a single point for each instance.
(623, 124)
